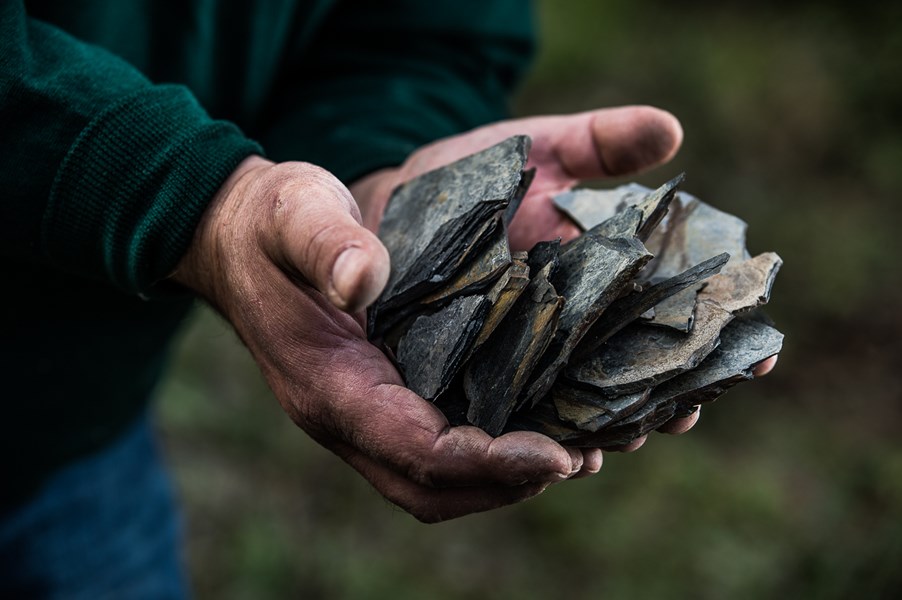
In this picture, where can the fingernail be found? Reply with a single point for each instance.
(346, 274)
(576, 461)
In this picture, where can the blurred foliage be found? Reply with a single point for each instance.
(791, 487)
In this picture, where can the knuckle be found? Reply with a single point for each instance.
(290, 185)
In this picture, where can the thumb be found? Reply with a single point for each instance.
(631, 139)
(605, 142)
(320, 236)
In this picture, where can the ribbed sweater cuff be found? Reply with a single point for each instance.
(132, 188)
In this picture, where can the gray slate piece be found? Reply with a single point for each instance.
(590, 412)
(517, 199)
(646, 418)
(642, 356)
(544, 253)
(743, 344)
(587, 208)
(500, 367)
(629, 308)
(436, 346)
(485, 268)
(627, 211)
(691, 232)
(656, 205)
(504, 295)
(592, 272)
(677, 311)
(745, 285)
(455, 212)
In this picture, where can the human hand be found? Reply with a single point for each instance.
(565, 150)
(282, 255)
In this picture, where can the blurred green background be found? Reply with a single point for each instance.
(790, 487)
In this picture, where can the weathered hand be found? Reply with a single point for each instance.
(565, 150)
(282, 255)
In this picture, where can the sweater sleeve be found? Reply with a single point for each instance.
(380, 79)
(104, 174)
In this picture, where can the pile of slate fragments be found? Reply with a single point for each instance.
(594, 342)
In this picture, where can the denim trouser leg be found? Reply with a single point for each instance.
(102, 527)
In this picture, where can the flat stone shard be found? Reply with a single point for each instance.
(656, 205)
(677, 311)
(592, 273)
(435, 346)
(743, 344)
(691, 232)
(743, 285)
(504, 295)
(646, 418)
(455, 212)
(632, 307)
(544, 253)
(609, 210)
(641, 356)
(517, 199)
(500, 367)
(589, 412)
(485, 269)
(592, 343)
(588, 208)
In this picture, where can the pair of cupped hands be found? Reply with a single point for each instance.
(289, 256)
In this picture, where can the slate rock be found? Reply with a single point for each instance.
(743, 286)
(481, 273)
(592, 272)
(691, 232)
(590, 412)
(587, 208)
(743, 344)
(544, 253)
(504, 295)
(593, 343)
(433, 349)
(642, 356)
(646, 418)
(500, 367)
(455, 212)
(632, 307)
(635, 214)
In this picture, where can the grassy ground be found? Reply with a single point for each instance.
(789, 487)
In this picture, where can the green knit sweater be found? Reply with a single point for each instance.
(119, 122)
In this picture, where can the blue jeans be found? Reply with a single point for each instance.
(105, 526)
